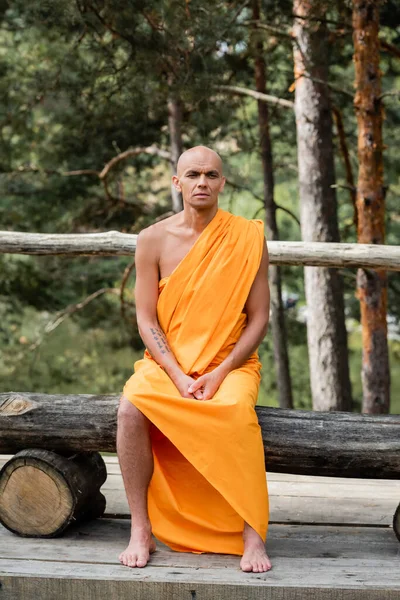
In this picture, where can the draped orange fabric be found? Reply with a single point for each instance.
(209, 472)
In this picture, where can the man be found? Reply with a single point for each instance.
(188, 440)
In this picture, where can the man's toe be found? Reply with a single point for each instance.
(141, 561)
(132, 560)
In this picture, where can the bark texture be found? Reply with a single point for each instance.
(277, 319)
(326, 331)
(295, 441)
(175, 137)
(371, 285)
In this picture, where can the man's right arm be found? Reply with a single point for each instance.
(146, 295)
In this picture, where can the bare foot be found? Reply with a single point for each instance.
(255, 558)
(141, 545)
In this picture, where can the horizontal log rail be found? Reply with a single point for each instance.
(114, 243)
(303, 442)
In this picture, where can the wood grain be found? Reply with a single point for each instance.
(308, 563)
(41, 493)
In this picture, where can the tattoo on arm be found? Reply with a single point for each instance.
(160, 339)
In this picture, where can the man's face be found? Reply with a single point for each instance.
(199, 178)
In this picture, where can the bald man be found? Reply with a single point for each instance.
(197, 245)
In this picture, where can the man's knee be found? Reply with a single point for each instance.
(129, 414)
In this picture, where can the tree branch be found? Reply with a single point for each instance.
(103, 174)
(320, 20)
(234, 17)
(239, 91)
(152, 150)
(79, 172)
(279, 207)
(107, 26)
(70, 310)
(332, 86)
(389, 93)
(281, 32)
(257, 197)
(384, 45)
(337, 115)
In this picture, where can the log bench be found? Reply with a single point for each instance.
(57, 471)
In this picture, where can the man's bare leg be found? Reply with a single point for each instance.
(136, 461)
(254, 558)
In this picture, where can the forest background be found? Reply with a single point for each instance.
(83, 82)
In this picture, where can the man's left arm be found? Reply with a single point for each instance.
(257, 309)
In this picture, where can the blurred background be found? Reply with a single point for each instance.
(97, 100)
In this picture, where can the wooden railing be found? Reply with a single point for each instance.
(114, 243)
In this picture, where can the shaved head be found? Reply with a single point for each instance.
(199, 178)
(199, 155)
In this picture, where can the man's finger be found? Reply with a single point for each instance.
(207, 395)
(193, 387)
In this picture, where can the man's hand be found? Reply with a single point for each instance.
(207, 385)
(183, 383)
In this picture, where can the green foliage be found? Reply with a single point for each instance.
(70, 360)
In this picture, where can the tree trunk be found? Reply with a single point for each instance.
(326, 331)
(371, 285)
(277, 311)
(175, 140)
(295, 441)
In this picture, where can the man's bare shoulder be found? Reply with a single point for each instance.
(154, 235)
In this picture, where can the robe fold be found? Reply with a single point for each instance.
(209, 471)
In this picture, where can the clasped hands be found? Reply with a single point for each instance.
(202, 388)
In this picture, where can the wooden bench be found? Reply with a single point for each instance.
(55, 433)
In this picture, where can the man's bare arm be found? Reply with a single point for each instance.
(146, 293)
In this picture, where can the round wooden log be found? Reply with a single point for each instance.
(295, 441)
(41, 493)
(396, 523)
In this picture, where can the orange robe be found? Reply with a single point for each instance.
(209, 471)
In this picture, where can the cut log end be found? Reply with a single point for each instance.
(41, 493)
(34, 499)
